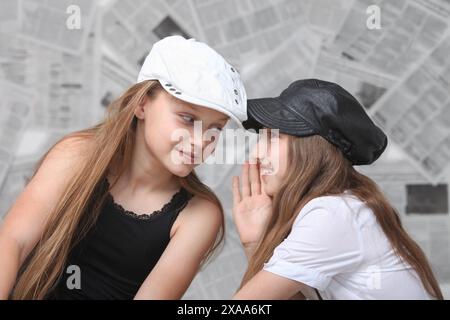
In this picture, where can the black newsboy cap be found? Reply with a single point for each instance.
(316, 107)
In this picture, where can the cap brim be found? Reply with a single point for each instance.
(272, 113)
(203, 103)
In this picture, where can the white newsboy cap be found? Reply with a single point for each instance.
(192, 71)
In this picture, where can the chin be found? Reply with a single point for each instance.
(269, 191)
(181, 170)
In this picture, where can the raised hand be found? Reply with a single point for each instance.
(252, 207)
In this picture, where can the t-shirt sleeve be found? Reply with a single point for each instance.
(323, 242)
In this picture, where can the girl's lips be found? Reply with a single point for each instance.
(266, 170)
(189, 156)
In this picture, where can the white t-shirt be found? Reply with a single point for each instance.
(337, 247)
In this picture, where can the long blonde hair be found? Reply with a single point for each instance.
(318, 168)
(78, 208)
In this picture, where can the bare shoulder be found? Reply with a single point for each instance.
(199, 204)
(200, 213)
(71, 147)
(201, 208)
(63, 160)
(27, 217)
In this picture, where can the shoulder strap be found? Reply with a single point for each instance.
(179, 204)
(318, 294)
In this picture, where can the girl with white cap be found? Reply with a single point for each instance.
(112, 210)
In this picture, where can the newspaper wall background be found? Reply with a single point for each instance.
(55, 79)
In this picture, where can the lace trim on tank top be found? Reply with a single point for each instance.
(144, 216)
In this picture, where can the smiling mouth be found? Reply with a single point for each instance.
(266, 170)
(189, 156)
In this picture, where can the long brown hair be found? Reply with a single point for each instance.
(318, 168)
(113, 140)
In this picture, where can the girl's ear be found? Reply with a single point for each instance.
(139, 112)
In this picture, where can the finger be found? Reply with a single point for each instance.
(245, 181)
(255, 182)
(263, 188)
(236, 192)
(263, 184)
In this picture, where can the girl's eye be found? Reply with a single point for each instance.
(274, 137)
(187, 118)
(219, 129)
(261, 136)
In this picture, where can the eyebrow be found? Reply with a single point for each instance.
(224, 118)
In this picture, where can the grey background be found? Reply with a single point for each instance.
(55, 80)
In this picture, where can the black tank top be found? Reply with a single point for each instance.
(119, 251)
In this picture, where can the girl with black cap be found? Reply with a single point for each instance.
(312, 226)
